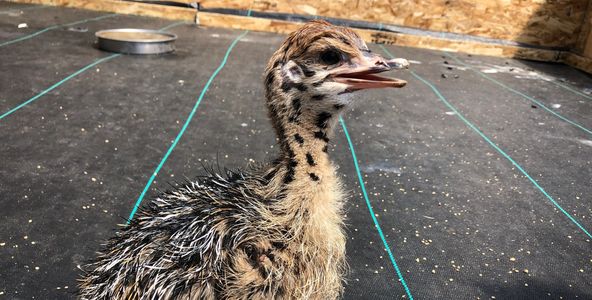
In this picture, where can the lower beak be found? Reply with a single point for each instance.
(361, 73)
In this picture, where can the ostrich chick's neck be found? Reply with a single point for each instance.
(313, 202)
(304, 136)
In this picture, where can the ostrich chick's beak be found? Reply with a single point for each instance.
(361, 73)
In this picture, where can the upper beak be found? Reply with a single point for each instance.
(360, 73)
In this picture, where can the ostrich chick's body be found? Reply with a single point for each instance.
(271, 232)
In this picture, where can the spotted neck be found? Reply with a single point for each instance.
(303, 136)
(312, 203)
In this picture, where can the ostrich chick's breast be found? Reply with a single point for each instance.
(220, 237)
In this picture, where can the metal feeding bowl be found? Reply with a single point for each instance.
(136, 41)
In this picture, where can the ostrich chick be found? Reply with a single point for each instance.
(274, 231)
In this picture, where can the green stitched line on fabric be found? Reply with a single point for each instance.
(522, 95)
(6, 114)
(34, 34)
(173, 25)
(572, 90)
(185, 125)
(371, 211)
(498, 149)
(32, 99)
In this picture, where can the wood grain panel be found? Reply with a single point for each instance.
(553, 23)
(579, 62)
(584, 43)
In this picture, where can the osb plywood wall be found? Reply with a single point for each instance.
(553, 23)
(584, 44)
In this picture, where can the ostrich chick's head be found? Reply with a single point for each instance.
(312, 76)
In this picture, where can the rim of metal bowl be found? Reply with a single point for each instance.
(167, 36)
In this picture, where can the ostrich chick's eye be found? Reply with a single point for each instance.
(330, 57)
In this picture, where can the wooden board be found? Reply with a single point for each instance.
(469, 47)
(538, 22)
(578, 61)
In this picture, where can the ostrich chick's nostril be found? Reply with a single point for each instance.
(382, 63)
(398, 63)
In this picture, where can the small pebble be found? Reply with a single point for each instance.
(22, 25)
(444, 75)
(512, 259)
(78, 29)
